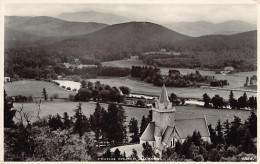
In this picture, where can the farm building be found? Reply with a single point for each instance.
(165, 129)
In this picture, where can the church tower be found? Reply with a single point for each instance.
(163, 113)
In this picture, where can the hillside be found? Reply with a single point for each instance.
(201, 28)
(36, 31)
(92, 16)
(117, 41)
(212, 51)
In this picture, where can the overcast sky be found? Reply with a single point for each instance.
(156, 13)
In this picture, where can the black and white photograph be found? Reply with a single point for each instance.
(129, 81)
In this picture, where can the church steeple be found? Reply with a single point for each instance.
(164, 97)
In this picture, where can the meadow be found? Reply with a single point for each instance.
(34, 88)
(212, 115)
(235, 80)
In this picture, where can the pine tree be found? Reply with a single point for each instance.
(133, 128)
(117, 154)
(66, 121)
(134, 155)
(96, 122)
(144, 124)
(248, 145)
(252, 124)
(219, 132)
(8, 113)
(44, 94)
(226, 127)
(206, 99)
(232, 100)
(79, 124)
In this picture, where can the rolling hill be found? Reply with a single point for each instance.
(201, 28)
(119, 40)
(35, 31)
(92, 16)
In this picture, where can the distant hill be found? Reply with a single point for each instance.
(93, 16)
(22, 31)
(201, 28)
(117, 40)
(50, 27)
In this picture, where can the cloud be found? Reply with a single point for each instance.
(160, 13)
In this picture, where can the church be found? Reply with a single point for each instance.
(165, 129)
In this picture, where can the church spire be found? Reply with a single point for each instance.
(164, 97)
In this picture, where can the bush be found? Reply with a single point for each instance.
(63, 86)
(55, 95)
(68, 88)
(74, 90)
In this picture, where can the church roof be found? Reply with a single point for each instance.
(148, 134)
(167, 134)
(186, 127)
(164, 97)
(157, 131)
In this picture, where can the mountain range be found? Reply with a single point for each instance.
(198, 28)
(93, 16)
(201, 28)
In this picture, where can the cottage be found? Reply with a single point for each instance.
(165, 129)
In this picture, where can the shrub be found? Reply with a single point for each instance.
(74, 90)
(63, 86)
(68, 88)
(55, 95)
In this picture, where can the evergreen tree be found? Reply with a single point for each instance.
(206, 99)
(66, 121)
(252, 124)
(96, 122)
(83, 84)
(117, 154)
(247, 144)
(147, 150)
(44, 94)
(79, 123)
(134, 155)
(232, 100)
(133, 128)
(243, 101)
(220, 138)
(226, 127)
(8, 113)
(144, 124)
(150, 116)
(213, 135)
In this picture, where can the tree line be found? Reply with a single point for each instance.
(241, 103)
(174, 78)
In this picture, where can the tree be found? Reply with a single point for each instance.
(248, 145)
(96, 122)
(134, 155)
(133, 128)
(206, 99)
(213, 135)
(44, 93)
(79, 123)
(242, 101)
(66, 121)
(217, 101)
(252, 102)
(252, 124)
(147, 150)
(125, 90)
(117, 154)
(8, 112)
(220, 138)
(246, 84)
(83, 84)
(226, 127)
(141, 103)
(232, 100)
(84, 94)
(144, 123)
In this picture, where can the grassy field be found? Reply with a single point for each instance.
(34, 88)
(212, 115)
(235, 80)
(138, 86)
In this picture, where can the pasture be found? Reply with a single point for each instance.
(235, 80)
(34, 88)
(212, 115)
(141, 87)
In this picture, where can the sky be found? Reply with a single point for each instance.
(160, 13)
